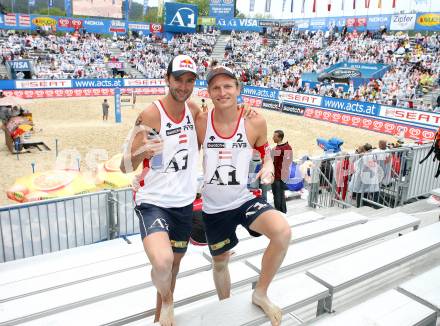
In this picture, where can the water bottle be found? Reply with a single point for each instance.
(156, 162)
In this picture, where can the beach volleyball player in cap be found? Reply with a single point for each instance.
(164, 141)
(228, 144)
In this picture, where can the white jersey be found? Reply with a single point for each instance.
(175, 184)
(226, 168)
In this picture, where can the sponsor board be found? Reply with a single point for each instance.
(239, 24)
(180, 18)
(268, 23)
(404, 22)
(368, 123)
(200, 92)
(10, 20)
(271, 105)
(139, 27)
(84, 92)
(301, 98)
(376, 22)
(263, 92)
(427, 119)
(252, 101)
(428, 21)
(362, 108)
(44, 21)
(117, 26)
(144, 82)
(97, 83)
(24, 20)
(293, 109)
(90, 22)
(156, 28)
(35, 84)
(356, 22)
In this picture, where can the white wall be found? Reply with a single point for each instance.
(336, 8)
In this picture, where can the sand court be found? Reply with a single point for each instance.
(77, 125)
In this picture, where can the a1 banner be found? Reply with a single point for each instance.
(385, 127)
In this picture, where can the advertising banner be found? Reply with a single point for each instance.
(253, 101)
(268, 23)
(404, 22)
(428, 22)
(353, 107)
(338, 22)
(317, 24)
(265, 93)
(80, 92)
(378, 22)
(385, 127)
(302, 23)
(429, 120)
(2, 20)
(300, 98)
(221, 8)
(271, 105)
(139, 27)
(238, 24)
(293, 109)
(359, 23)
(180, 17)
(206, 21)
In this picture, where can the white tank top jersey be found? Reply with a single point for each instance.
(226, 168)
(175, 184)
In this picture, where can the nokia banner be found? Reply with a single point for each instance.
(180, 17)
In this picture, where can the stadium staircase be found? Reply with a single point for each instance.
(131, 70)
(387, 251)
(218, 52)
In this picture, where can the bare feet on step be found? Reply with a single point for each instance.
(272, 311)
(167, 315)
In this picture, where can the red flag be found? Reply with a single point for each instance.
(367, 4)
(314, 6)
(394, 3)
(354, 4)
(329, 5)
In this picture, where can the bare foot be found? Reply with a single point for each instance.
(272, 311)
(167, 315)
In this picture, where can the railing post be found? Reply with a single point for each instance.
(406, 172)
(113, 227)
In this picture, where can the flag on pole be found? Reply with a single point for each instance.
(314, 6)
(31, 3)
(50, 4)
(379, 4)
(354, 4)
(291, 6)
(302, 8)
(367, 4)
(342, 5)
(251, 5)
(394, 3)
(145, 8)
(329, 5)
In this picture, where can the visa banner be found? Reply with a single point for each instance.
(239, 24)
(180, 17)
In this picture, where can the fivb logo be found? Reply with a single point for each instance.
(184, 17)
